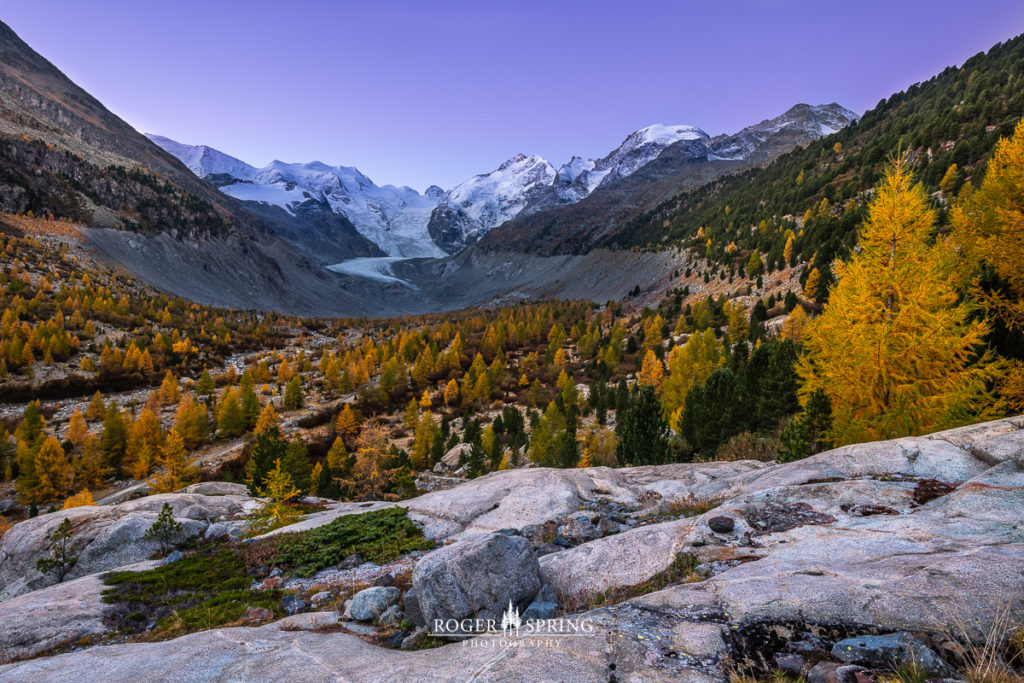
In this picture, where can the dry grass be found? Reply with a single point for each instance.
(988, 654)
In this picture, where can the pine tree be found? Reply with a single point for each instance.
(296, 463)
(166, 530)
(205, 387)
(714, 412)
(293, 397)
(63, 552)
(114, 438)
(895, 349)
(269, 447)
(642, 431)
(805, 434)
(230, 420)
(476, 461)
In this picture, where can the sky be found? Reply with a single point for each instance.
(419, 93)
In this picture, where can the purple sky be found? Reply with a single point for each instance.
(434, 92)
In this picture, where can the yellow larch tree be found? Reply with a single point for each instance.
(652, 372)
(989, 224)
(895, 349)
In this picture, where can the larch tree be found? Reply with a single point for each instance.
(989, 224)
(175, 469)
(652, 372)
(896, 350)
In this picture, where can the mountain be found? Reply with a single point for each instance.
(945, 127)
(527, 184)
(64, 155)
(642, 175)
(477, 205)
(394, 219)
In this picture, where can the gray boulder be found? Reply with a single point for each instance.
(412, 609)
(476, 578)
(887, 651)
(371, 603)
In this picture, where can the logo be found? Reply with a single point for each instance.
(511, 630)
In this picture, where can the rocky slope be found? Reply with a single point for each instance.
(63, 154)
(920, 538)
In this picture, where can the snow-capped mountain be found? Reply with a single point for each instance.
(580, 177)
(205, 161)
(394, 218)
(472, 208)
(404, 223)
(804, 121)
(530, 183)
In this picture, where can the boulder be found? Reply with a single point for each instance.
(832, 672)
(62, 613)
(369, 604)
(476, 578)
(412, 609)
(392, 616)
(109, 536)
(892, 650)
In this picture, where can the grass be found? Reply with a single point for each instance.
(205, 590)
(691, 506)
(378, 536)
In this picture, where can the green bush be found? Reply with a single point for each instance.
(379, 536)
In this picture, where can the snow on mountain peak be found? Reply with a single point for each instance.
(660, 134)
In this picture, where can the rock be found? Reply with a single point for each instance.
(392, 616)
(791, 662)
(450, 461)
(110, 536)
(412, 609)
(63, 613)
(276, 571)
(578, 529)
(476, 577)
(384, 580)
(540, 609)
(893, 649)
(413, 641)
(8, 505)
(996, 449)
(255, 614)
(548, 548)
(930, 489)
(359, 629)
(320, 598)
(721, 524)
(369, 604)
(831, 672)
(217, 488)
(396, 639)
(272, 582)
(309, 621)
(234, 530)
(351, 562)
(175, 556)
(562, 542)
(292, 604)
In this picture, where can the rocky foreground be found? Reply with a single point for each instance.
(848, 561)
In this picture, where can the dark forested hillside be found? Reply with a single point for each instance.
(946, 127)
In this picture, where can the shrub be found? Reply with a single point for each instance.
(379, 536)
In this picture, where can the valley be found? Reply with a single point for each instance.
(739, 407)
